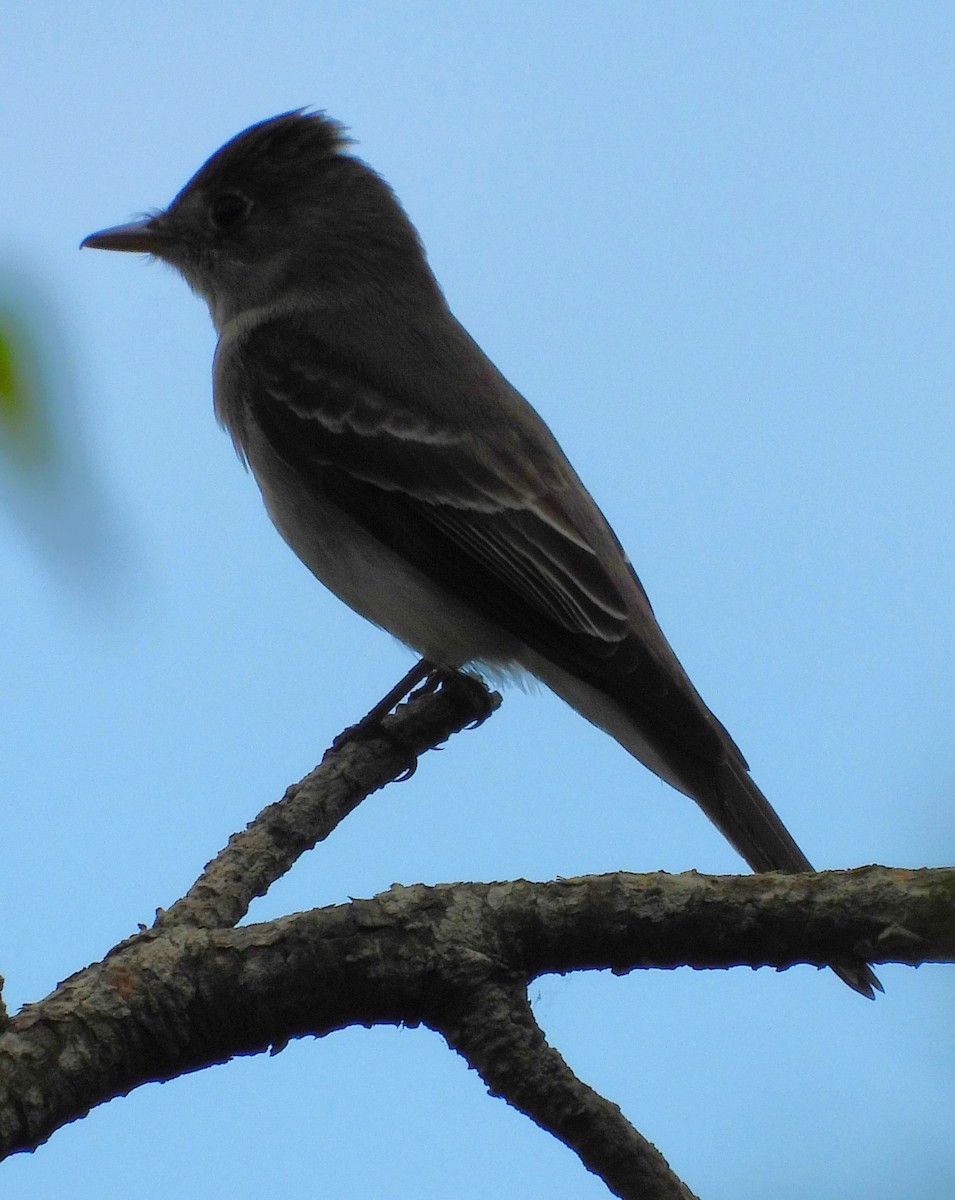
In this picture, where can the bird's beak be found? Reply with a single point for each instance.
(147, 236)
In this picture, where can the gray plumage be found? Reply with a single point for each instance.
(407, 473)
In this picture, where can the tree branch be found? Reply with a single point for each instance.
(624, 921)
(495, 1030)
(194, 991)
(173, 1000)
(311, 809)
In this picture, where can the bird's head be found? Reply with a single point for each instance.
(280, 214)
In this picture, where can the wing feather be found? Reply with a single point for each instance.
(499, 521)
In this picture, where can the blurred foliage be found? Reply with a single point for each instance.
(54, 494)
(27, 435)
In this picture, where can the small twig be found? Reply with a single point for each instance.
(309, 811)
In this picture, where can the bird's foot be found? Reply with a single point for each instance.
(423, 679)
(473, 693)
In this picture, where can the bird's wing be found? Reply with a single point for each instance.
(498, 519)
(501, 521)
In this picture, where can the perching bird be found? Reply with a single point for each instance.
(406, 472)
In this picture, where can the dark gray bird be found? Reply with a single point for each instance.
(406, 472)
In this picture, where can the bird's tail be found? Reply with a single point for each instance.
(744, 816)
(724, 789)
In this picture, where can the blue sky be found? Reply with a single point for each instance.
(713, 245)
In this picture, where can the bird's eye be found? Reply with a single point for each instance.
(228, 209)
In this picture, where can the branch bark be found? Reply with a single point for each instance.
(458, 958)
(350, 772)
(172, 1000)
(495, 1030)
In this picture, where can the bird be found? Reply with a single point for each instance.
(408, 474)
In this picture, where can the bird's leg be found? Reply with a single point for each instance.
(423, 679)
(371, 723)
(404, 687)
